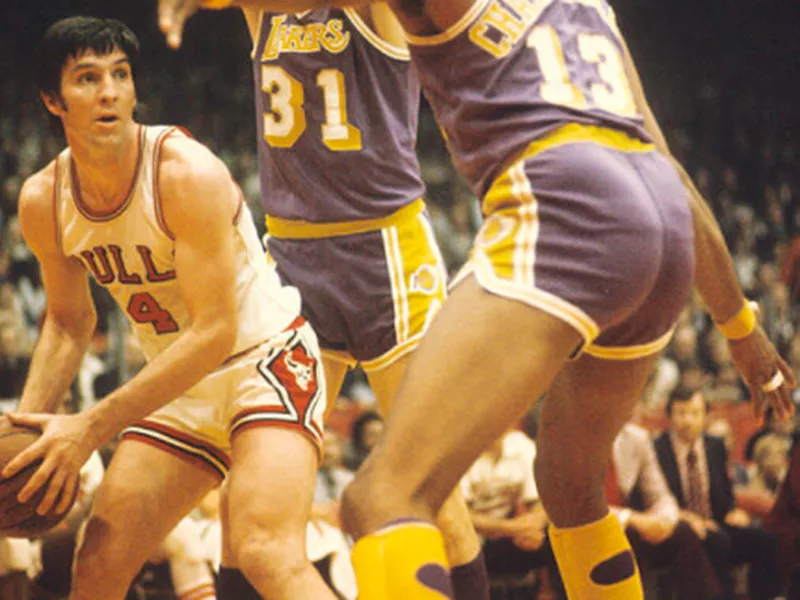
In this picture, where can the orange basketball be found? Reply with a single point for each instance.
(21, 519)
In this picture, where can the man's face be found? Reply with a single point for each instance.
(688, 418)
(97, 97)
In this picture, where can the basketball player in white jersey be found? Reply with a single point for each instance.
(342, 193)
(233, 386)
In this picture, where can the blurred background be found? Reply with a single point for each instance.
(723, 80)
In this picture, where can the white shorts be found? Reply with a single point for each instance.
(276, 384)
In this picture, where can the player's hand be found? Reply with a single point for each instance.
(172, 17)
(653, 528)
(64, 446)
(761, 367)
(528, 530)
(737, 518)
(529, 540)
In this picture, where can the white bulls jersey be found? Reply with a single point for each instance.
(131, 253)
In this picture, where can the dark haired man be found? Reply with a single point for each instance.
(233, 384)
(695, 466)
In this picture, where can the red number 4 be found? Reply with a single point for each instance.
(144, 309)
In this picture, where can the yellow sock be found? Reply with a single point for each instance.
(402, 561)
(596, 561)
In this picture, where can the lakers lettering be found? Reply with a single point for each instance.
(304, 39)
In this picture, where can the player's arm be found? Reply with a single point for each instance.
(70, 317)
(715, 276)
(199, 200)
(173, 14)
(715, 280)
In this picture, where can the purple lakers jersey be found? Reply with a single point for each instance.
(510, 71)
(337, 114)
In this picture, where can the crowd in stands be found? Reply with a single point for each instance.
(745, 165)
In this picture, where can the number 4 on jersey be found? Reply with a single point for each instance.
(143, 308)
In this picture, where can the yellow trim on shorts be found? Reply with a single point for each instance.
(393, 355)
(545, 301)
(509, 184)
(375, 364)
(630, 352)
(299, 229)
(575, 133)
(339, 356)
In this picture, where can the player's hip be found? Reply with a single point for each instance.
(594, 234)
(369, 296)
(276, 384)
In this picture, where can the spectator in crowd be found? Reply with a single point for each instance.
(720, 427)
(644, 505)
(332, 478)
(784, 522)
(504, 505)
(695, 466)
(366, 431)
(787, 430)
(770, 463)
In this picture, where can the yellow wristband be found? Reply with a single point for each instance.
(740, 325)
(217, 4)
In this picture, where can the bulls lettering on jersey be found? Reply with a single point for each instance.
(131, 252)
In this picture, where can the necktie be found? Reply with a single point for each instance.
(696, 499)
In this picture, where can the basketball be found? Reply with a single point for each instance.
(21, 519)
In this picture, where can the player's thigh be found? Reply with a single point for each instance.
(144, 494)
(588, 403)
(385, 382)
(335, 372)
(270, 486)
(484, 362)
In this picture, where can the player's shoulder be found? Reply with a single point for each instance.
(185, 163)
(38, 188)
(36, 207)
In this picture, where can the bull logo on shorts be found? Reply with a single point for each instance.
(301, 366)
(425, 280)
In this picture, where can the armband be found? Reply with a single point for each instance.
(741, 324)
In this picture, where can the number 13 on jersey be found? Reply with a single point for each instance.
(287, 120)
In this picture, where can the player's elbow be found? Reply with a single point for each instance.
(220, 338)
(78, 326)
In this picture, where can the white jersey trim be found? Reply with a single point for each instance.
(257, 33)
(374, 39)
(451, 32)
(158, 144)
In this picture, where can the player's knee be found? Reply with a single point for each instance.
(98, 554)
(271, 556)
(369, 500)
(355, 504)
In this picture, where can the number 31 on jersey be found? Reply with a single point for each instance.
(287, 121)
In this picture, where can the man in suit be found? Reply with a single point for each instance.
(695, 467)
(784, 522)
(639, 496)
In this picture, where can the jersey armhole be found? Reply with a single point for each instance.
(374, 39)
(156, 170)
